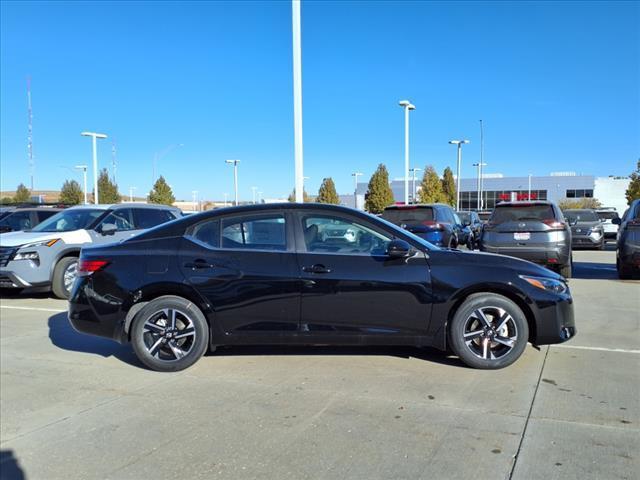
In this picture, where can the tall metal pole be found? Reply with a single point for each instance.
(458, 176)
(529, 194)
(406, 156)
(225, 198)
(235, 181)
(414, 169)
(481, 164)
(30, 133)
(253, 192)
(355, 176)
(297, 101)
(84, 178)
(113, 159)
(95, 169)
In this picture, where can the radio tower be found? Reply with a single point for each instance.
(113, 159)
(30, 135)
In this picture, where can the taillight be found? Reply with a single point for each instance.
(87, 267)
(553, 223)
(433, 225)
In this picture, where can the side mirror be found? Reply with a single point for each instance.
(616, 221)
(108, 229)
(398, 249)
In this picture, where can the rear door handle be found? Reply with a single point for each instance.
(198, 264)
(317, 268)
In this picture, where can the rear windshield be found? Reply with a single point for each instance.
(484, 216)
(580, 215)
(408, 215)
(521, 213)
(607, 215)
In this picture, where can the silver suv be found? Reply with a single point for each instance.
(47, 255)
(534, 231)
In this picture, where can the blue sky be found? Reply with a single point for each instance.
(557, 85)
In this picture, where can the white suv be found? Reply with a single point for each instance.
(606, 216)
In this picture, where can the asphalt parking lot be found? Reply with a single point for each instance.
(74, 406)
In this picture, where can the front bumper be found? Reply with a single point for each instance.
(555, 322)
(586, 241)
(24, 274)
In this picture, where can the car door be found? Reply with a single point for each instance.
(351, 290)
(244, 265)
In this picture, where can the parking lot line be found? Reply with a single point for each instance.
(598, 349)
(34, 309)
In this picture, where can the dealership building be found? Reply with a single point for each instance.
(610, 191)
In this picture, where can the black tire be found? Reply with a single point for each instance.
(567, 270)
(623, 273)
(60, 288)
(470, 349)
(155, 345)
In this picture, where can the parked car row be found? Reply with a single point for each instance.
(314, 274)
(24, 218)
(46, 256)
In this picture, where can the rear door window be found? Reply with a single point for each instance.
(44, 214)
(121, 218)
(251, 232)
(151, 217)
(17, 221)
(408, 216)
(522, 213)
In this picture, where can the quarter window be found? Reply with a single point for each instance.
(208, 233)
(265, 232)
(328, 234)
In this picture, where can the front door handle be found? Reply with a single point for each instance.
(198, 264)
(317, 268)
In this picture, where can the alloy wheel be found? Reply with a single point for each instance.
(69, 275)
(490, 333)
(169, 334)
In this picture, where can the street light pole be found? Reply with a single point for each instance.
(297, 101)
(194, 195)
(406, 104)
(131, 189)
(84, 177)
(459, 143)
(225, 198)
(355, 176)
(482, 164)
(235, 177)
(529, 194)
(414, 170)
(479, 165)
(94, 136)
(253, 192)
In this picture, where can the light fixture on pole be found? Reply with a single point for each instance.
(413, 174)
(131, 190)
(297, 101)
(479, 165)
(235, 177)
(459, 143)
(253, 193)
(84, 177)
(355, 176)
(408, 106)
(94, 136)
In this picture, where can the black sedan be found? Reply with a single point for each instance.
(281, 274)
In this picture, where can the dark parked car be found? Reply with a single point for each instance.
(25, 218)
(535, 231)
(586, 228)
(269, 274)
(472, 220)
(485, 215)
(628, 242)
(435, 223)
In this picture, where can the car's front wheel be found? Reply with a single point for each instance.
(63, 277)
(488, 331)
(169, 334)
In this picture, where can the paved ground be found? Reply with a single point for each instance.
(79, 407)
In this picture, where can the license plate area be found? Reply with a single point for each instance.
(522, 236)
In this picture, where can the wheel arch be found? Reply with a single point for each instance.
(69, 252)
(512, 294)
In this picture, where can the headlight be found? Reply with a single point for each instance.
(43, 243)
(548, 284)
(27, 256)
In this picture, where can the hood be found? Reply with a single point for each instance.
(492, 261)
(14, 239)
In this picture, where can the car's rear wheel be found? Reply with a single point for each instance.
(169, 334)
(63, 277)
(488, 331)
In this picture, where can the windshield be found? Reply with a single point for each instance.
(465, 217)
(408, 215)
(519, 213)
(68, 220)
(607, 215)
(581, 216)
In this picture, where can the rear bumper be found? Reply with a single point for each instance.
(540, 255)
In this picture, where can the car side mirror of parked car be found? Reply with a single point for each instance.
(108, 229)
(616, 221)
(398, 249)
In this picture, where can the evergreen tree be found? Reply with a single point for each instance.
(448, 187)
(161, 193)
(431, 191)
(379, 194)
(633, 191)
(71, 193)
(22, 194)
(327, 192)
(305, 198)
(107, 190)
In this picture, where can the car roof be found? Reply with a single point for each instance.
(416, 205)
(118, 206)
(38, 209)
(523, 203)
(578, 210)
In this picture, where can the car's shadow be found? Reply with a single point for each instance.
(63, 336)
(594, 271)
(426, 354)
(10, 467)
